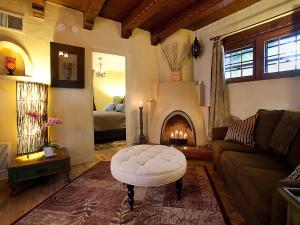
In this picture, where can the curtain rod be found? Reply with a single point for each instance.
(244, 28)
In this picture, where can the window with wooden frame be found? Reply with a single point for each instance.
(270, 50)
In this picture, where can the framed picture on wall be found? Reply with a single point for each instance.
(67, 66)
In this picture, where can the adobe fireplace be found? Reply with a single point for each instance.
(178, 129)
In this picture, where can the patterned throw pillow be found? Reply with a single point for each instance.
(110, 107)
(295, 175)
(241, 131)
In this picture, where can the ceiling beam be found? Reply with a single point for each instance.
(91, 12)
(197, 11)
(141, 14)
(38, 8)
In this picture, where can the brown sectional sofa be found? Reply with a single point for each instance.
(253, 175)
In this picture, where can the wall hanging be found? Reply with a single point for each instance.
(67, 66)
(31, 97)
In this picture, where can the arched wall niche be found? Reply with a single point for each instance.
(8, 48)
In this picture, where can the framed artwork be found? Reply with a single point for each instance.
(67, 66)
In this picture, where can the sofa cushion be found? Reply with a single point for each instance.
(265, 125)
(241, 131)
(258, 186)
(293, 156)
(236, 160)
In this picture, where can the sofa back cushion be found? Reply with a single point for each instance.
(266, 123)
(293, 156)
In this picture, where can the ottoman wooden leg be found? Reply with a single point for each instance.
(178, 188)
(130, 195)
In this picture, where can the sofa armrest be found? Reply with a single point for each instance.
(219, 133)
(279, 204)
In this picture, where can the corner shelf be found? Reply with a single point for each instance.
(16, 77)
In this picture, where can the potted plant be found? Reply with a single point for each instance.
(49, 145)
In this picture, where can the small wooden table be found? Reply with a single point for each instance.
(25, 170)
(292, 196)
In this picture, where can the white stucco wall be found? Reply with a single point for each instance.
(74, 106)
(247, 97)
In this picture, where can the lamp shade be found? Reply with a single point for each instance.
(195, 48)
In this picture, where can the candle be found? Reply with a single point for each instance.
(180, 134)
(66, 55)
(60, 53)
(185, 136)
(176, 134)
(172, 135)
(140, 103)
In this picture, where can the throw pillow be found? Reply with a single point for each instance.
(110, 107)
(120, 108)
(241, 131)
(295, 175)
(285, 132)
(118, 99)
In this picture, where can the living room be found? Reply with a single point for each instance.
(168, 102)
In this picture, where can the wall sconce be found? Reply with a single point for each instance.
(195, 48)
(99, 72)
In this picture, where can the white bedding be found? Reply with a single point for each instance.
(108, 120)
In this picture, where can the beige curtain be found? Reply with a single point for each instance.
(219, 99)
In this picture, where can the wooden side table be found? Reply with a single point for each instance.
(25, 170)
(292, 196)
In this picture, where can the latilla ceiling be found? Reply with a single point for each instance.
(160, 17)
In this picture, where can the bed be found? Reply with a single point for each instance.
(109, 126)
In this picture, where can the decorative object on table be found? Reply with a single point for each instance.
(32, 104)
(10, 64)
(99, 72)
(67, 66)
(195, 48)
(22, 170)
(142, 139)
(175, 53)
(48, 145)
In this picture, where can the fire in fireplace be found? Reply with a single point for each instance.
(178, 129)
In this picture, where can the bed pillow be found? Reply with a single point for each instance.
(241, 131)
(110, 107)
(120, 108)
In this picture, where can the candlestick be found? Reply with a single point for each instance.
(172, 135)
(185, 136)
(180, 135)
(176, 134)
(141, 136)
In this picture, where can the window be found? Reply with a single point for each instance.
(282, 54)
(270, 50)
(239, 62)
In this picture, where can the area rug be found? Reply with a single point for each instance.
(97, 198)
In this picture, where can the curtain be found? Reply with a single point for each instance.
(219, 98)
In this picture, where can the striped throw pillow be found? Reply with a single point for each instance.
(241, 131)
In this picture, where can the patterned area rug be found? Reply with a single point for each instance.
(97, 198)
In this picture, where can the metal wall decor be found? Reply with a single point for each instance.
(195, 48)
(67, 66)
(33, 98)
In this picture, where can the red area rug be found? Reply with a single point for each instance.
(97, 198)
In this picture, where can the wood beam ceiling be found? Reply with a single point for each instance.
(141, 14)
(38, 8)
(197, 11)
(90, 13)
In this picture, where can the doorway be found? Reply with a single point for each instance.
(109, 101)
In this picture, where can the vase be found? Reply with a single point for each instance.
(175, 75)
(48, 151)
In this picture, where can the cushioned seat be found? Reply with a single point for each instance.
(148, 165)
(256, 184)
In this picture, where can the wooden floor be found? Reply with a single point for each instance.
(11, 208)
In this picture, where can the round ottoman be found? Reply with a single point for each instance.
(148, 165)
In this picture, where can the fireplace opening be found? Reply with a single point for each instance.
(178, 129)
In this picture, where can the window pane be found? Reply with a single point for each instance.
(239, 63)
(282, 54)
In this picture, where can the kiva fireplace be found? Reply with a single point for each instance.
(178, 129)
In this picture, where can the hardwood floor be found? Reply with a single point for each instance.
(11, 208)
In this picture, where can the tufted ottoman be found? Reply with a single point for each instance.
(148, 165)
